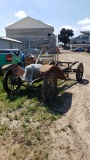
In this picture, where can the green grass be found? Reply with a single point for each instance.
(27, 117)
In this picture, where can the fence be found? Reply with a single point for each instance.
(27, 42)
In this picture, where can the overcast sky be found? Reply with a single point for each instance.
(72, 14)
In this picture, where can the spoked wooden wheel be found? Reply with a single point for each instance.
(79, 72)
(49, 87)
(8, 86)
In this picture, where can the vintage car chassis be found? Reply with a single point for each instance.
(48, 75)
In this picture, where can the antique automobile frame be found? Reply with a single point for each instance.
(48, 75)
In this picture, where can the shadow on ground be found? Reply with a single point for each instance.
(60, 105)
(84, 82)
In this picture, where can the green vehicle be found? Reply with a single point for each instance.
(10, 56)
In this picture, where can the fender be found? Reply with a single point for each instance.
(16, 70)
(51, 68)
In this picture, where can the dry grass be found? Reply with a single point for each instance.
(25, 124)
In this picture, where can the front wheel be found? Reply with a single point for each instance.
(52, 62)
(49, 87)
(8, 84)
(79, 72)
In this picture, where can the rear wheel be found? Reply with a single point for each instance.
(49, 87)
(8, 84)
(79, 71)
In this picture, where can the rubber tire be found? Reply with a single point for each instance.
(52, 63)
(49, 87)
(7, 78)
(79, 72)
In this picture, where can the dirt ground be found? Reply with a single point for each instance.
(71, 134)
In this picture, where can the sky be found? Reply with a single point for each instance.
(69, 14)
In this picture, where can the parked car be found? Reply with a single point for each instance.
(80, 49)
(10, 56)
(88, 49)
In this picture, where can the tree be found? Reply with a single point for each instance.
(65, 35)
